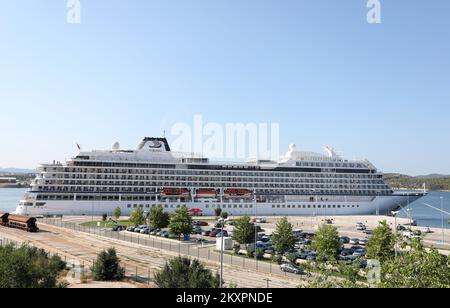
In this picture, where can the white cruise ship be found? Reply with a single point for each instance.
(300, 183)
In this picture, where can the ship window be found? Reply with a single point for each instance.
(273, 206)
(129, 206)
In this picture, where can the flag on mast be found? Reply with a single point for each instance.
(79, 147)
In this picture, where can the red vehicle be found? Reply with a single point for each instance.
(202, 223)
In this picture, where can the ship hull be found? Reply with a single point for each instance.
(351, 205)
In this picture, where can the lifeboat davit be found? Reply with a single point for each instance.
(175, 192)
(206, 193)
(233, 192)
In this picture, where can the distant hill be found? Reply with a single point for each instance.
(433, 182)
(16, 171)
(432, 176)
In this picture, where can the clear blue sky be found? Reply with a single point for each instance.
(133, 68)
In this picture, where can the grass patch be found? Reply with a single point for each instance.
(107, 224)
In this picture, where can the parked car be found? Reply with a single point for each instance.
(361, 228)
(363, 264)
(206, 233)
(201, 241)
(311, 257)
(261, 220)
(197, 230)
(219, 234)
(426, 230)
(362, 242)
(417, 233)
(407, 234)
(354, 241)
(270, 251)
(130, 229)
(344, 239)
(357, 254)
(265, 238)
(347, 252)
(115, 229)
(213, 233)
(401, 228)
(164, 234)
(202, 223)
(310, 236)
(154, 232)
(368, 232)
(290, 268)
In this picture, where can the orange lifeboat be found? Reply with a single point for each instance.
(206, 193)
(233, 192)
(175, 192)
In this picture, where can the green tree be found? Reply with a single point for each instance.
(104, 217)
(224, 215)
(381, 245)
(137, 216)
(181, 222)
(29, 267)
(158, 218)
(283, 238)
(117, 212)
(416, 268)
(107, 267)
(244, 231)
(184, 273)
(326, 242)
(218, 211)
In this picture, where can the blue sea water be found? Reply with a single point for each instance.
(425, 216)
(10, 197)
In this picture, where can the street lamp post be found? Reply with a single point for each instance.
(394, 213)
(256, 227)
(221, 253)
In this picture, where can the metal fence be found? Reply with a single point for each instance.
(80, 269)
(191, 249)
